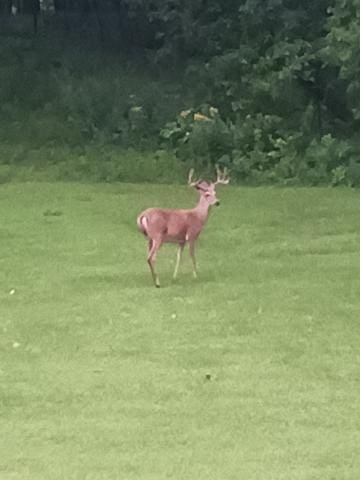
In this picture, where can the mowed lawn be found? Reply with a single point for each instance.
(250, 372)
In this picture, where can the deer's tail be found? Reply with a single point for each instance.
(142, 223)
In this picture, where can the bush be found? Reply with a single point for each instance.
(259, 150)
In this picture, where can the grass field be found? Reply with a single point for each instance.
(250, 372)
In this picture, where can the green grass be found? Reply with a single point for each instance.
(104, 377)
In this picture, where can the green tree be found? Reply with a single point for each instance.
(342, 49)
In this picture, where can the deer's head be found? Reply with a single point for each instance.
(207, 190)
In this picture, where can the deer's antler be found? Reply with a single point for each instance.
(222, 176)
(192, 183)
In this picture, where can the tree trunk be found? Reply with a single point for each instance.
(95, 7)
(66, 15)
(32, 7)
(5, 7)
(85, 6)
(121, 13)
(59, 5)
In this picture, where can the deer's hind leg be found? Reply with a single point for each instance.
(178, 259)
(153, 247)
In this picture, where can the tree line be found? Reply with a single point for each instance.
(282, 75)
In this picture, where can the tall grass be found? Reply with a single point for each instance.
(94, 163)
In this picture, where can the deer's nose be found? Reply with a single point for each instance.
(217, 203)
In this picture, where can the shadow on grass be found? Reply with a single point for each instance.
(142, 280)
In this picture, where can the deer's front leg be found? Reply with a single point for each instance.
(192, 255)
(178, 259)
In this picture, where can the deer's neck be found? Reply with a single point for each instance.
(202, 209)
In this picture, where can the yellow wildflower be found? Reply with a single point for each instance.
(199, 117)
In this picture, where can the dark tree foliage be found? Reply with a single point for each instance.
(272, 81)
(5, 7)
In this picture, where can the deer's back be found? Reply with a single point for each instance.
(170, 225)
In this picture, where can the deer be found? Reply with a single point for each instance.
(180, 226)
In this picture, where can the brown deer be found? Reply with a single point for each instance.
(162, 225)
